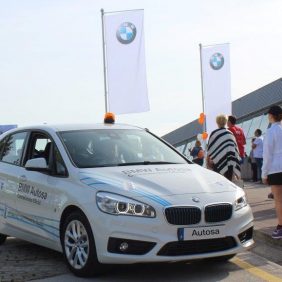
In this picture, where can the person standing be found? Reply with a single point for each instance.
(253, 164)
(257, 147)
(223, 156)
(272, 163)
(239, 136)
(197, 153)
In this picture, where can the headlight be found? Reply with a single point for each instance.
(119, 205)
(240, 202)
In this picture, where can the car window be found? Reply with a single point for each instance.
(112, 147)
(41, 146)
(13, 148)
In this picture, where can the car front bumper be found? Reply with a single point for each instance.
(155, 240)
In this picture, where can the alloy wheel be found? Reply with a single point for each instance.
(76, 243)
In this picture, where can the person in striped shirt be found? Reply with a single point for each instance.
(223, 155)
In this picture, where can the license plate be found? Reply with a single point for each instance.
(201, 233)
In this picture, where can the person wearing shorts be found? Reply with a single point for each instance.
(272, 163)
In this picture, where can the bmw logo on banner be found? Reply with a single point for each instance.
(217, 61)
(126, 33)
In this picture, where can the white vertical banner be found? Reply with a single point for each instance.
(216, 83)
(125, 62)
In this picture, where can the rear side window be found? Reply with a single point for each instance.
(13, 148)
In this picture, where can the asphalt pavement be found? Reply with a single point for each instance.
(264, 212)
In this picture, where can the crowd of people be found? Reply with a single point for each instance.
(226, 153)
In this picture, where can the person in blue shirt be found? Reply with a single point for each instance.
(197, 153)
(272, 163)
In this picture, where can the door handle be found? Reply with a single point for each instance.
(23, 178)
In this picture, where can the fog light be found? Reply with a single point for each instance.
(123, 246)
(129, 247)
(246, 235)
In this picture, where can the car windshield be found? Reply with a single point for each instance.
(117, 147)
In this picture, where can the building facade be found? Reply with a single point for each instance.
(249, 111)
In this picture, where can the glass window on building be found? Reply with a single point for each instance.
(246, 126)
(248, 146)
(180, 148)
(190, 145)
(264, 124)
(254, 126)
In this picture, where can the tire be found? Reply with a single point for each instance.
(80, 251)
(2, 239)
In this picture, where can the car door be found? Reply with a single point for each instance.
(10, 170)
(38, 199)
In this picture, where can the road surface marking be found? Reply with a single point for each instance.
(256, 271)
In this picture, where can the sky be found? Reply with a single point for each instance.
(51, 58)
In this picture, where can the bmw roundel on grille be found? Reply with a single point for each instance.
(195, 199)
(217, 61)
(126, 33)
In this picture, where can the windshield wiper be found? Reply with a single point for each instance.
(146, 163)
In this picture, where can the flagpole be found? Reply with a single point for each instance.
(203, 102)
(202, 85)
(104, 61)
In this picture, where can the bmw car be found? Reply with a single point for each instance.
(116, 194)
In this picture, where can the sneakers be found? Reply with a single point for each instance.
(277, 234)
(270, 196)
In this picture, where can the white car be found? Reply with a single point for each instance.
(116, 194)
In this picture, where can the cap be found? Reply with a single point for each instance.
(275, 110)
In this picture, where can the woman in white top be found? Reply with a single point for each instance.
(272, 163)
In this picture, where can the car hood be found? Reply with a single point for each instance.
(156, 181)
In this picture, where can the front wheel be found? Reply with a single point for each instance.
(2, 239)
(79, 246)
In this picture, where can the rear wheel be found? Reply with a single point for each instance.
(79, 246)
(2, 239)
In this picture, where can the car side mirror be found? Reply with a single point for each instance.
(38, 164)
